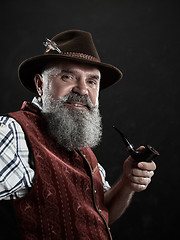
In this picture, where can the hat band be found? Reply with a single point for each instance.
(80, 55)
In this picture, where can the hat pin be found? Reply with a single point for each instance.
(51, 45)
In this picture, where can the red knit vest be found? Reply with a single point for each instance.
(67, 200)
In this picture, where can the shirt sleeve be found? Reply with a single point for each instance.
(106, 185)
(16, 175)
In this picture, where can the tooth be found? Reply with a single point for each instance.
(77, 105)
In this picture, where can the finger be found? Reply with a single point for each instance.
(142, 173)
(140, 180)
(149, 166)
(141, 148)
(138, 187)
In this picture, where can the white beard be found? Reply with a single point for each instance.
(72, 128)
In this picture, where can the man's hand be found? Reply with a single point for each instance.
(137, 176)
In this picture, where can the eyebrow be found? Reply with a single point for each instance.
(68, 71)
(97, 77)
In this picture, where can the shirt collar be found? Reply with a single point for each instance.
(37, 102)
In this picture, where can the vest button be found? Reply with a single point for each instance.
(100, 210)
(95, 191)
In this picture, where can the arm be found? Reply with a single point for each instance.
(135, 178)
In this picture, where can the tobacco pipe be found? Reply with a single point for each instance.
(146, 155)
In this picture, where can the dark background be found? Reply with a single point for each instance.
(142, 39)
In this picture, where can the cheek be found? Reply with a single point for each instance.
(94, 96)
(58, 89)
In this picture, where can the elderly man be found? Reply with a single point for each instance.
(51, 182)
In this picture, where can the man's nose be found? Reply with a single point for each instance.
(81, 87)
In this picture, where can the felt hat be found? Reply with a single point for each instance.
(72, 45)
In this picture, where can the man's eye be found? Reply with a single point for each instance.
(66, 77)
(92, 82)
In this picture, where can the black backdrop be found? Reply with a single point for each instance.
(142, 39)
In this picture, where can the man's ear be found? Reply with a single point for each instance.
(39, 84)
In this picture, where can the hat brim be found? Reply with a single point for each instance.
(28, 68)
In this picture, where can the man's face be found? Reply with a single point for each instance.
(69, 97)
(67, 77)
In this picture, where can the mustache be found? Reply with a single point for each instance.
(74, 97)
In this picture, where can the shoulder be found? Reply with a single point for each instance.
(16, 173)
(10, 130)
(10, 123)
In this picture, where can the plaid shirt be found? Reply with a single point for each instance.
(16, 171)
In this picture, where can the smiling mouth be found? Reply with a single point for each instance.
(77, 105)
